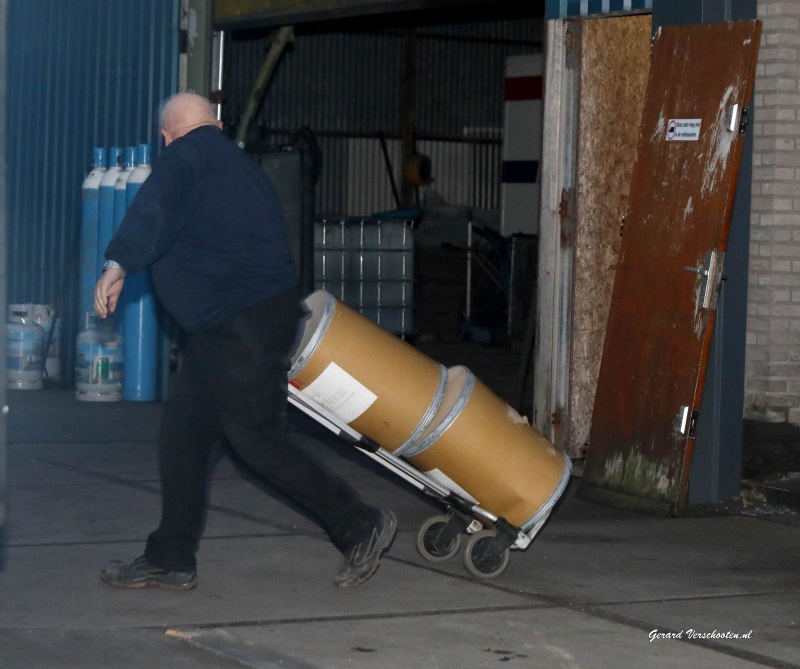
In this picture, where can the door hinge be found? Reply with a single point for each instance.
(566, 212)
(745, 120)
(572, 43)
(682, 420)
(737, 118)
(569, 40)
(693, 424)
(711, 274)
(686, 422)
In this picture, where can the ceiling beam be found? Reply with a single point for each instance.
(247, 14)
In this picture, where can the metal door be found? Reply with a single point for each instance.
(671, 261)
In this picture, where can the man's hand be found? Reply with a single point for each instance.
(107, 290)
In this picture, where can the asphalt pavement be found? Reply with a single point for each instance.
(598, 587)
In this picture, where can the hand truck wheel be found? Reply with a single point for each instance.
(486, 555)
(431, 543)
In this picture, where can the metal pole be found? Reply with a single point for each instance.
(468, 305)
(279, 43)
(198, 46)
(409, 97)
(217, 96)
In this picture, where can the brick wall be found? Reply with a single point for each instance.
(772, 383)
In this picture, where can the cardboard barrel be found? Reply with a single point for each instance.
(368, 377)
(491, 453)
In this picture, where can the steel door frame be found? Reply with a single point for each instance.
(3, 297)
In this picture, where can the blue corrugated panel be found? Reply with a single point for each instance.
(597, 6)
(562, 9)
(81, 74)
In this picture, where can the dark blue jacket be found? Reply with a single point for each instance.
(209, 223)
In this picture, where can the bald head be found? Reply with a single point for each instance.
(185, 112)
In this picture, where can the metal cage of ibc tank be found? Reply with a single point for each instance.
(368, 264)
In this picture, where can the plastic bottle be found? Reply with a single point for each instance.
(99, 361)
(24, 349)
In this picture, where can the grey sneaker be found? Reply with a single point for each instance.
(363, 559)
(141, 574)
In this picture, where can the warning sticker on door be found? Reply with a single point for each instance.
(683, 129)
(341, 394)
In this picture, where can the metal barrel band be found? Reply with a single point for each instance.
(408, 445)
(547, 507)
(316, 337)
(419, 446)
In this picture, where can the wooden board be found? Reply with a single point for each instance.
(660, 323)
(615, 60)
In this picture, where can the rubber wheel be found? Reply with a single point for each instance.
(427, 543)
(479, 561)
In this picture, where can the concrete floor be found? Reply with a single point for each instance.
(592, 590)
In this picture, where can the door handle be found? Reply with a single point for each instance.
(703, 271)
(710, 273)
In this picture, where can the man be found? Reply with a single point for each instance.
(209, 224)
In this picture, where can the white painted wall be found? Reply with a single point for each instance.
(522, 141)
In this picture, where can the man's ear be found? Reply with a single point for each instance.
(167, 137)
(219, 124)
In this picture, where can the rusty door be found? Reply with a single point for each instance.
(671, 261)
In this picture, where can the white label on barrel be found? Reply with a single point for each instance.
(340, 393)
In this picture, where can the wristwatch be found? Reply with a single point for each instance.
(111, 264)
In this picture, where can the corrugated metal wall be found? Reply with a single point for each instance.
(80, 74)
(349, 88)
(561, 9)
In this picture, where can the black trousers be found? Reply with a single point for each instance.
(232, 385)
